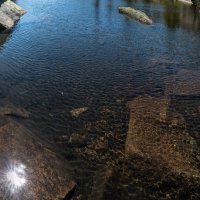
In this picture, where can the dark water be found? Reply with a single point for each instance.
(69, 54)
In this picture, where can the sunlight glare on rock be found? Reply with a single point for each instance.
(16, 176)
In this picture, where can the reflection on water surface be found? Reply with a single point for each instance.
(66, 55)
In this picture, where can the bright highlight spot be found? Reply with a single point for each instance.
(15, 179)
(16, 176)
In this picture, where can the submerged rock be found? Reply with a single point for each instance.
(10, 13)
(78, 111)
(6, 21)
(136, 14)
(150, 136)
(29, 169)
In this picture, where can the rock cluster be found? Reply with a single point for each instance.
(158, 133)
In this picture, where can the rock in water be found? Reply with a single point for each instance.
(136, 14)
(78, 111)
(10, 14)
(149, 136)
(29, 169)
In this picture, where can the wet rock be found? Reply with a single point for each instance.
(150, 138)
(157, 109)
(10, 14)
(11, 110)
(30, 170)
(136, 14)
(78, 111)
(6, 21)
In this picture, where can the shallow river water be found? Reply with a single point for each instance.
(71, 54)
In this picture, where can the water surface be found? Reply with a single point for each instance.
(75, 53)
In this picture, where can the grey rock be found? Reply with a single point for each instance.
(136, 14)
(10, 13)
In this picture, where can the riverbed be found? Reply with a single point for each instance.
(69, 54)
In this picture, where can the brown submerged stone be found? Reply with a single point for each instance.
(151, 136)
(10, 13)
(29, 169)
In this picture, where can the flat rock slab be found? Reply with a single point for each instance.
(136, 14)
(10, 13)
(151, 136)
(28, 169)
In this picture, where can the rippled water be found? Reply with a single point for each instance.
(69, 54)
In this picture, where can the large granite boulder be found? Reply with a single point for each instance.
(29, 169)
